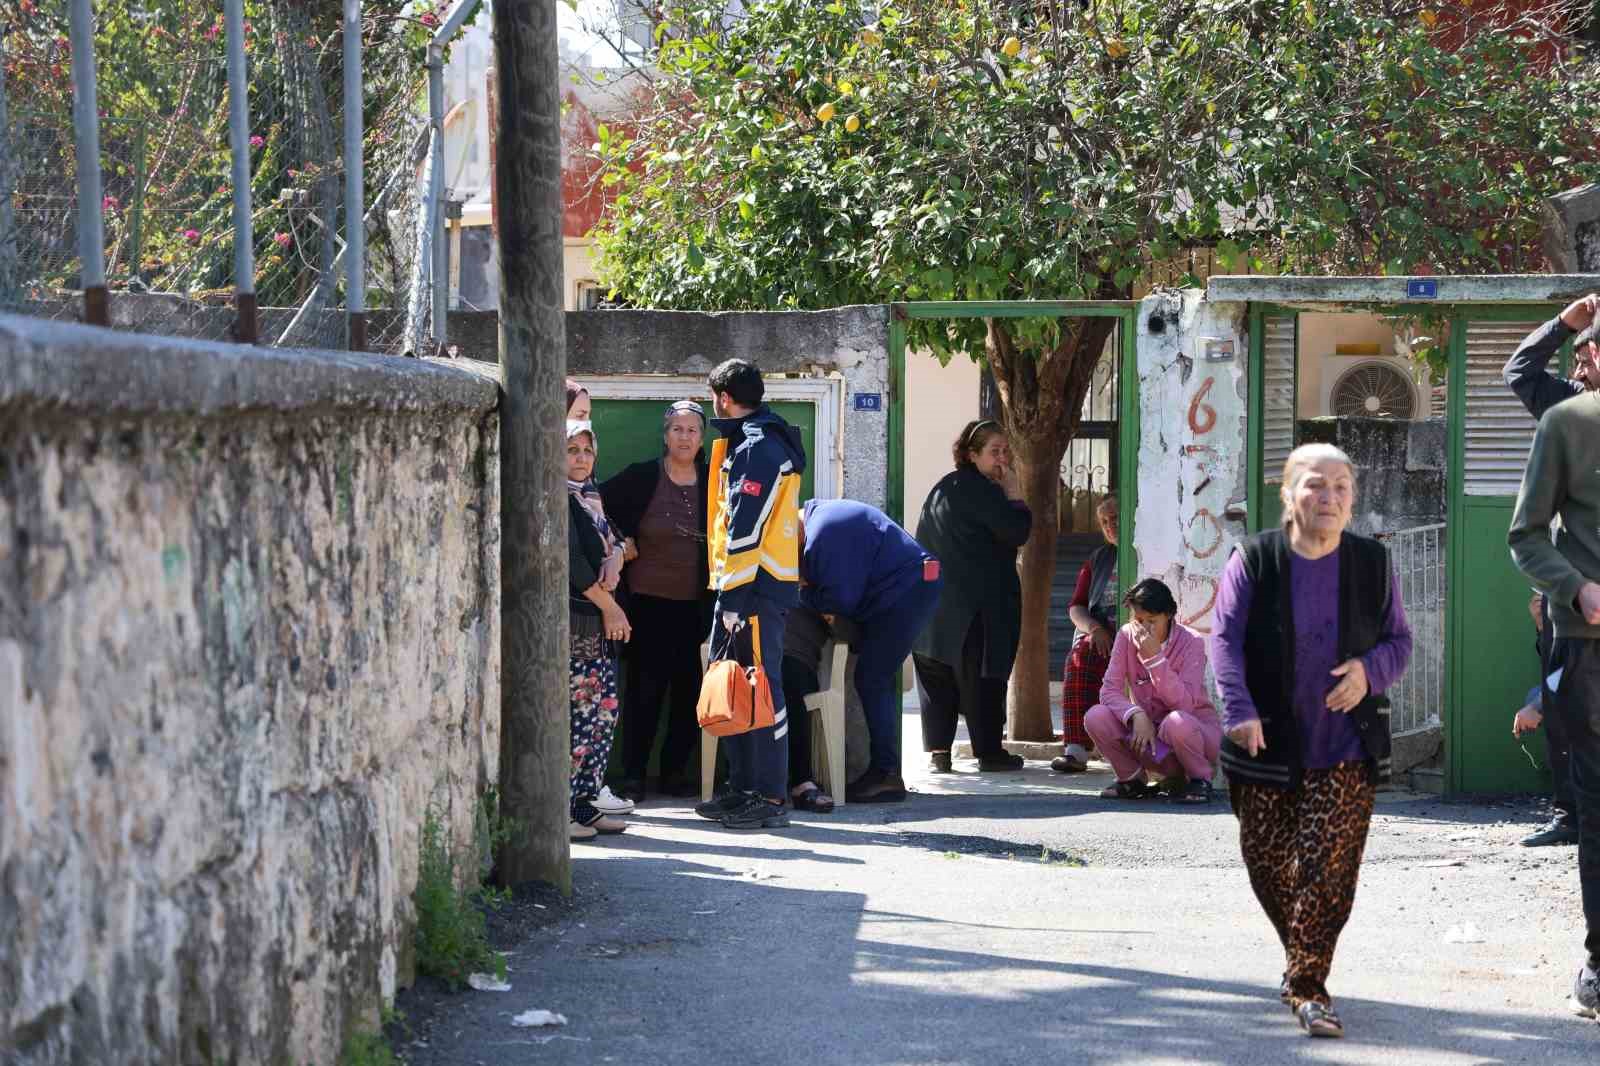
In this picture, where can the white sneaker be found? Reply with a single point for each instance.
(610, 803)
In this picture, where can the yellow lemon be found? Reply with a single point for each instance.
(1011, 47)
(845, 88)
(825, 113)
(852, 124)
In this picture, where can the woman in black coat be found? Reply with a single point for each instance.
(659, 505)
(974, 522)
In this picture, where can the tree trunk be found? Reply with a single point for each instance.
(1042, 394)
(536, 747)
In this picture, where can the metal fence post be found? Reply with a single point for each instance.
(355, 223)
(136, 219)
(86, 128)
(10, 274)
(244, 248)
(441, 251)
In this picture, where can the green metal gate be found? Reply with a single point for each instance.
(1491, 659)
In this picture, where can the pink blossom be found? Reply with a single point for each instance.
(282, 239)
(109, 204)
(211, 34)
(429, 19)
(192, 236)
(257, 141)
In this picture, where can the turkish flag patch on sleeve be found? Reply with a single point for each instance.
(750, 488)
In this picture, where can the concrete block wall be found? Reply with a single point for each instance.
(249, 633)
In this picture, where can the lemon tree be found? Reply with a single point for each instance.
(804, 154)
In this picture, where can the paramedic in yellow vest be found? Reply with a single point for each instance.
(752, 538)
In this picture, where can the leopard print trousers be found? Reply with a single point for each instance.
(1303, 851)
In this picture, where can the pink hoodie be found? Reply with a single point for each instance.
(1175, 680)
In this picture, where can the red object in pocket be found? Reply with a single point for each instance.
(750, 488)
(930, 570)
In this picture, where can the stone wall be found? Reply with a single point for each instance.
(1400, 468)
(249, 633)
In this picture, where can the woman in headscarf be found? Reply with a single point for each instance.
(579, 406)
(658, 506)
(1309, 634)
(594, 559)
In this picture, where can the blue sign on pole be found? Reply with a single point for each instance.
(1422, 289)
(869, 401)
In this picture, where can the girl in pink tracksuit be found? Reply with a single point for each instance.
(1154, 712)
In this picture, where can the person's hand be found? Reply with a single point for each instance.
(630, 550)
(1009, 481)
(1144, 731)
(1100, 637)
(1352, 687)
(1538, 615)
(1526, 721)
(1581, 312)
(730, 620)
(616, 623)
(1589, 603)
(1144, 639)
(1248, 735)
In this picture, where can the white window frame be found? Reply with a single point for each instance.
(826, 394)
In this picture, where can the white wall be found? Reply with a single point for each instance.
(939, 401)
(1192, 457)
(1319, 367)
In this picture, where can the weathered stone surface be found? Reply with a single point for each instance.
(1572, 230)
(1400, 468)
(249, 633)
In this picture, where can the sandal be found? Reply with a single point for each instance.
(1318, 1020)
(1068, 764)
(814, 800)
(1128, 790)
(1197, 791)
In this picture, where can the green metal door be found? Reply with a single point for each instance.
(1491, 657)
(1274, 385)
(630, 430)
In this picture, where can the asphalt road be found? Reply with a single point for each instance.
(995, 929)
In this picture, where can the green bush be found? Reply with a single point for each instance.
(450, 899)
(366, 1049)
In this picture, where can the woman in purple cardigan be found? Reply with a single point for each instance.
(1154, 713)
(1309, 634)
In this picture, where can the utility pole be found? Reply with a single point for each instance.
(535, 735)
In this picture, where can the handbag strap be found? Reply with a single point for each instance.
(755, 638)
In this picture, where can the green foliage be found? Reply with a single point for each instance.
(450, 896)
(366, 1049)
(809, 155)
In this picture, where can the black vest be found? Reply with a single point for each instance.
(1365, 586)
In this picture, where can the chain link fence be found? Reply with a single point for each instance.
(166, 165)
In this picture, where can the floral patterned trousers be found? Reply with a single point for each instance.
(594, 721)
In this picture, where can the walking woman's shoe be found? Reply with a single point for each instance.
(1585, 1001)
(726, 803)
(938, 763)
(1002, 763)
(1318, 1020)
(609, 802)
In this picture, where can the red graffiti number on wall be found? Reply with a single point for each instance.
(1205, 516)
(1202, 416)
(1210, 585)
